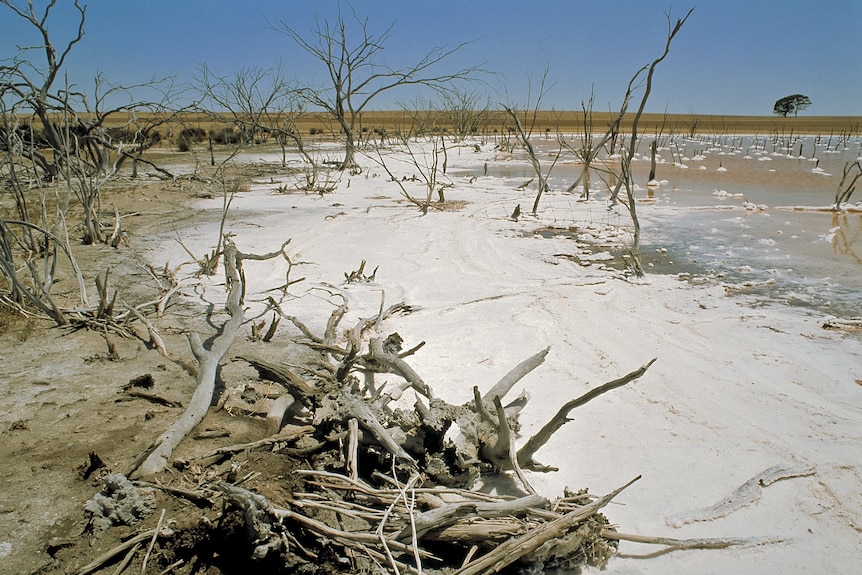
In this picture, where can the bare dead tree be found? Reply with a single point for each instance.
(145, 121)
(357, 74)
(693, 124)
(592, 148)
(246, 98)
(66, 136)
(466, 111)
(35, 90)
(659, 135)
(260, 103)
(69, 124)
(524, 132)
(94, 153)
(626, 179)
(588, 149)
(424, 120)
(427, 163)
(34, 238)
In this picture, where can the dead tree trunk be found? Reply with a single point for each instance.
(628, 155)
(208, 361)
(524, 137)
(653, 150)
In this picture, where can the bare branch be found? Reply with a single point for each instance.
(526, 453)
(514, 376)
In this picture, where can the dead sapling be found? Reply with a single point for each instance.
(425, 161)
(847, 185)
(523, 132)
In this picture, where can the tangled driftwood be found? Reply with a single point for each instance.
(424, 498)
(389, 489)
(491, 532)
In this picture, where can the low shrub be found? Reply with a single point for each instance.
(225, 136)
(125, 135)
(189, 136)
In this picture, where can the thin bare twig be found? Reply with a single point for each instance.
(153, 542)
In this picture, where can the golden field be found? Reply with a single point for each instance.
(546, 121)
(569, 122)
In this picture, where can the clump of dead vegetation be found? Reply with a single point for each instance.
(365, 475)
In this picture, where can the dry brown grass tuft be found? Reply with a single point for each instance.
(12, 321)
(452, 205)
(7, 317)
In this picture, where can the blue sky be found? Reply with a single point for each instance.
(732, 56)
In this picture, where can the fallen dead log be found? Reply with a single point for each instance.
(286, 435)
(151, 397)
(282, 374)
(208, 361)
(441, 517)
(477, 531)
(747, 494)
(849, 324)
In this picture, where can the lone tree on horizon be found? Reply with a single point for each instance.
(790, 105)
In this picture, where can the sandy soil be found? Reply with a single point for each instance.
(63, 398)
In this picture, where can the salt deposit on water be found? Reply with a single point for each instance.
(775, 220)
(744, 384)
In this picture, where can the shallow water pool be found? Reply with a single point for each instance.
(755, 215)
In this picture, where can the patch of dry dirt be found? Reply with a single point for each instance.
(65, 403)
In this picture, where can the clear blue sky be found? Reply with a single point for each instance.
(731, 57)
